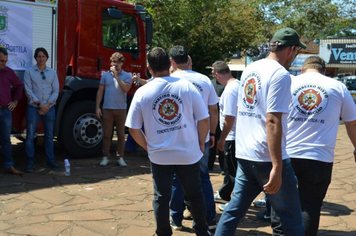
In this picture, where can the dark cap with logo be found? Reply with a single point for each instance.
(287, 36)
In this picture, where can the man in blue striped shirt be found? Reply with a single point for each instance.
(41, 87)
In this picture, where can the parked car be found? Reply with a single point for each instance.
(350, 82)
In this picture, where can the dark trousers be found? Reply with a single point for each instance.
(314, 178)
(230, 164)
(213, 150)
(189, 178)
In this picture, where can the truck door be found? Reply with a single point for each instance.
(116, 34)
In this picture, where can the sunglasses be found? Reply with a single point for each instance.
(43, 76)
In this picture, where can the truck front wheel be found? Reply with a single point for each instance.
(81, 131)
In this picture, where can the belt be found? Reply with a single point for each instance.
(3, 107)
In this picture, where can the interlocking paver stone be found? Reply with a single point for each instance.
(47, 229)
(113, 200)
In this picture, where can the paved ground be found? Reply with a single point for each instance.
(114, 200)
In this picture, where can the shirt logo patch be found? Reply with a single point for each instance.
(167, 109)
(250, 90)
(309, 99)
(251, 85)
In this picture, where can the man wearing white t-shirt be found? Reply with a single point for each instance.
(176, 123)
(226, 143)
(180, 64)
(317, 104)
(263, 163)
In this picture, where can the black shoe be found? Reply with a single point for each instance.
(29, 167)
(53, 165)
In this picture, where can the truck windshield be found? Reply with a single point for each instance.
(120, 34)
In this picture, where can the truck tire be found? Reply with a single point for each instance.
(81, 132)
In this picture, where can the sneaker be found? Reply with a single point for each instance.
(53, 165)
(104, 162)
(265, 216)
(260, 202)
(121, 162)
(222, 206)
(175, 226)
(187, 215)
(208, 233)
(217, 198)
(211, 225)
(29, 167)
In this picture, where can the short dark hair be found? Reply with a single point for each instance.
(41, 50)
(3, 51)
(179, 54)
(221, 67)
(314, 62)
(158, 60)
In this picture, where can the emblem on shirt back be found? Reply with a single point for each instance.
(251, 85)
(312, 99)
(167, 109)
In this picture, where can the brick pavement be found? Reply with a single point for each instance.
(114, 200)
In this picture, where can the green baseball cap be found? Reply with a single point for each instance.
(287, 36)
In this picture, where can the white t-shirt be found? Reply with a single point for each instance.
(203, 84)
(264, 88)
(228, 106)
(317, 104)
(169, 108)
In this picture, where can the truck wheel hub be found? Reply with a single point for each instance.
(88, 131)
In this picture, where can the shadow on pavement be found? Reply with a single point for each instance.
(334, 209)
(335, 233)
(82, 170)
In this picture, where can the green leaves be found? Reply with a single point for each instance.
(213, 30)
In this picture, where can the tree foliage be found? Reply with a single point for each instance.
(311, 19)
(213, 30)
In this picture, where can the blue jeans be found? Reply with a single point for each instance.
(250, 178)
(5, 132)
(162, 176)
(32, 119)
(314, 178)
(177, 199)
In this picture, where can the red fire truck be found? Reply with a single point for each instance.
(80, 36)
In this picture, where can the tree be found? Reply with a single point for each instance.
(211, 30)
(311, 19)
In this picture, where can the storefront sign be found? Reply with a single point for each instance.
(338, 53)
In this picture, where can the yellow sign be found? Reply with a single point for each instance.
(54, 2)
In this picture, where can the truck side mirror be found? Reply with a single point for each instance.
(114, 13)
(141, 11)
(149, 30)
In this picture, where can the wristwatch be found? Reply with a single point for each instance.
(38, 103)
